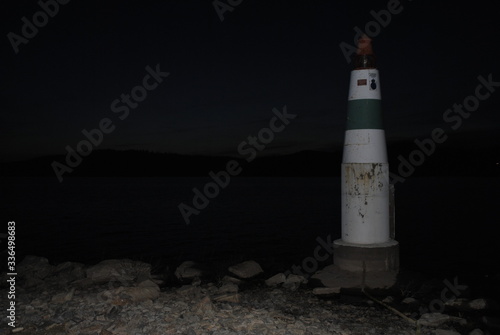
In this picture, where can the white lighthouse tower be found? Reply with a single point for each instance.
(366, 256)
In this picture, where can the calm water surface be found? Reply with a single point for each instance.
(446, 222)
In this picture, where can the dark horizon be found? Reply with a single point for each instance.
(204, 81)
(457, 156)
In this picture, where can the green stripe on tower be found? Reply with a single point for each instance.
(364, 114)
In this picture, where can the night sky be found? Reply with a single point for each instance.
(226, 76)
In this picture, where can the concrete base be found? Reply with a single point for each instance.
(366, 258)
(354, 282)
(361, 267)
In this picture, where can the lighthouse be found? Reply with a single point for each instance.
(366, 255)
(366, 243)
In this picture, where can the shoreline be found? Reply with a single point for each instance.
(126, 296)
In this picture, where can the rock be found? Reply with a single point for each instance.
(433, 319)
(229, 279)
(123, 270)
(388, 300)
(293, 282)
(32, 282)
(204, 307)
(158, 279)
(69, 271)
(61, 298)
(148, 283)
(476, 331)
(246, 269)
(293, 278)
(210, 288)
(409, 305)
(460, 304)
(466, 305)
(137, 294)
(35, 267)
(146, 290)
(409, 301)
(275, 280)
(228, 288)
(196, 281)
(296, 328)
(188, 270)
(437, 319)
(67, 266)
(478, 304)
(291, 286)
(187, 290)
(228, 297)
(326, 291)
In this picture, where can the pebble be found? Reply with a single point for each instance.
(138, 305)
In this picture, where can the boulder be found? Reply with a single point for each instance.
(275, 280)
(34, 267)
(246, 269)
(188, 270)
(293, 281)
(69, 271)
(478, 304)
(123, 270)
(146, 290)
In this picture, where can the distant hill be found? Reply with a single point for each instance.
(453, 158)
(113, 163)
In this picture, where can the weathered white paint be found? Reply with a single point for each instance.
(365, 203)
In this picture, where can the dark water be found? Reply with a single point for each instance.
(445, 224)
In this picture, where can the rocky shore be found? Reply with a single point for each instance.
(116, 297)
